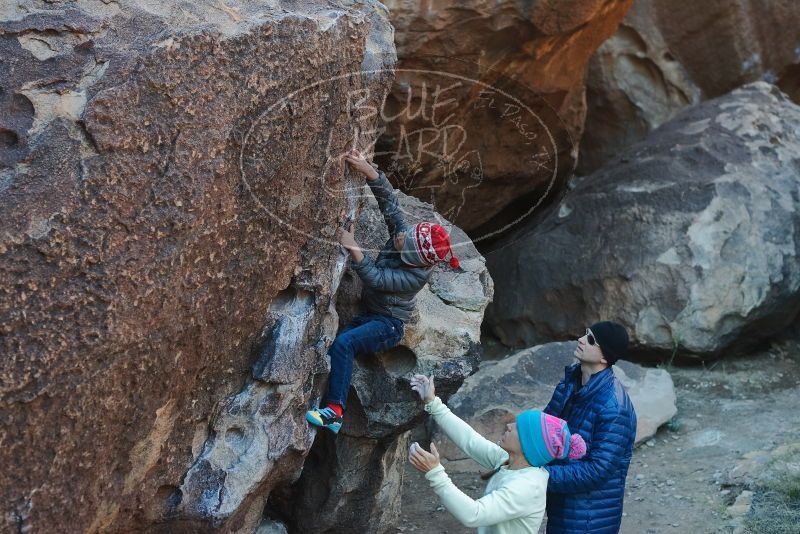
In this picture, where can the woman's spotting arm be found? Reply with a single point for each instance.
(515, 499)
(480, 449)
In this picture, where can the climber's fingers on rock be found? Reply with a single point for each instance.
(353, 156)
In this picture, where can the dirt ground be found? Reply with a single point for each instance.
(674, 483)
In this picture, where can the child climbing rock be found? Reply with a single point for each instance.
(391, 282)
(515, 497)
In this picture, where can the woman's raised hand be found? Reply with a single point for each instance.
(360, 164)
(423, 385)
(421, 459)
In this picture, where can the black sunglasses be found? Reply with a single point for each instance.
(590, 337)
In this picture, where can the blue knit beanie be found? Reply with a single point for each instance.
(545, 438)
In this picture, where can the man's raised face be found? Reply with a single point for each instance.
(588, 350)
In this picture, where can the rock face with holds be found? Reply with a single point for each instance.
(525, 380)
(167, 247)
(352, 481)
(515, 69)
(689, 238)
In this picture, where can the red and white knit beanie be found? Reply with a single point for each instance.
(427, 244)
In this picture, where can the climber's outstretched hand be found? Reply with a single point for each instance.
(423, 385)
(359, 163)
(422, 459)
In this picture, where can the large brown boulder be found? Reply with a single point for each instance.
(688, 238)
(352, 482)
(488, 104)
(668, 54)
(168, 276)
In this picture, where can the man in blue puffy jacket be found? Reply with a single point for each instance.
(585, 496)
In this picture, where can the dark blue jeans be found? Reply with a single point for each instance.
(367, 333)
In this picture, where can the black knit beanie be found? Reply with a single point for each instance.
(613, 340)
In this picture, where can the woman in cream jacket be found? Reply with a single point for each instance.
(514, 500)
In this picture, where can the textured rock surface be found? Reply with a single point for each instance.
(167, 298)
(668, 54)
(767, 485)
(689, 238)
(764, 467)
(525, 380)
(467, 155)
(353, 482)
(271, 527)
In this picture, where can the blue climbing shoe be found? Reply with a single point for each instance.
(326, 418)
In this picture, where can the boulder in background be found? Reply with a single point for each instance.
(488, 105)
(689, 238)
(669, 54)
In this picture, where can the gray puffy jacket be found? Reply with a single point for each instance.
(390, 285)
